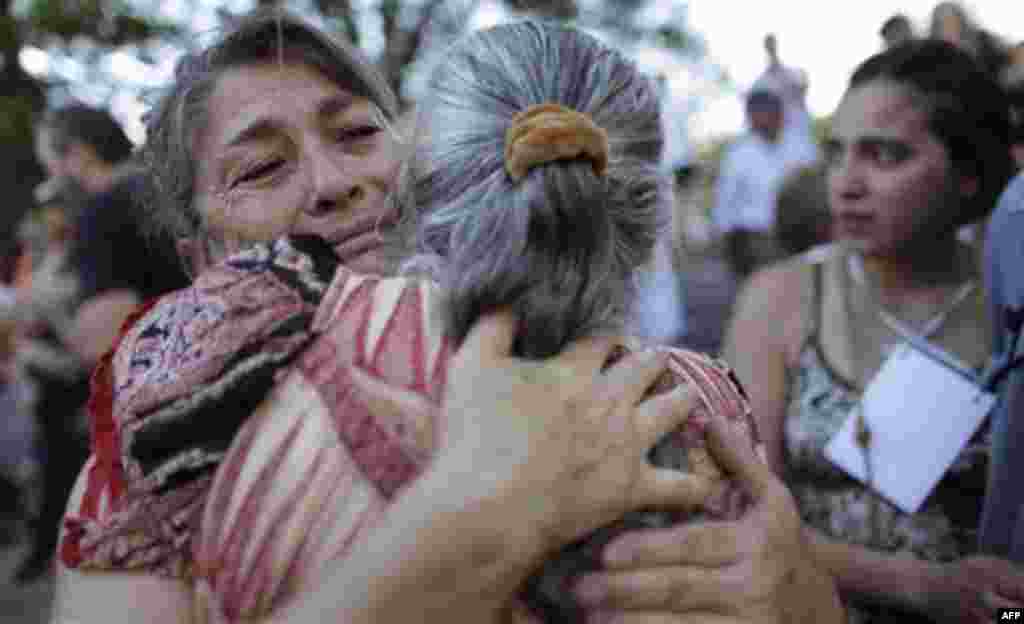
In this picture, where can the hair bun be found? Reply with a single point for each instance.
(547, 132)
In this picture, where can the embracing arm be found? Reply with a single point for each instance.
(758, 568)
(115, 597)
(436, 557)
(415, 563)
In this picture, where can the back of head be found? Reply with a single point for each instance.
(897, 29)
(92, 127)
(802, 218)
(968, 112)
(763, 100)
(560, 245)
(179, 114)
(765, 114)
(948, 15)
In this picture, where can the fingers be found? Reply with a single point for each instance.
(489, 340)
(994, 601)
(671, 589)
(735, 454)
(580, 364)
(669, 488)
(706, 544)
(661, 414)
(630, 378)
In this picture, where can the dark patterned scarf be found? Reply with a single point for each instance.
(187, 371)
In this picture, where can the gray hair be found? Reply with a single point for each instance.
(180, 114)
(560, 246)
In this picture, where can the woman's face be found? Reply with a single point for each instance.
(891, 183)
(287, 151)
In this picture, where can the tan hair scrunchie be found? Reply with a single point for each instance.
(547, 132)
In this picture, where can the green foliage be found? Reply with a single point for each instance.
(673, 37)
(822, 128)
(16, 117)
(8, 33)
(112, 23)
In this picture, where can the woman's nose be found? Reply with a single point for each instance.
(335, 188)
(846, 179)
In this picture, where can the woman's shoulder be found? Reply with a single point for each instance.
(257, 305)
(776, 303)
(783, 286)
(390, 325)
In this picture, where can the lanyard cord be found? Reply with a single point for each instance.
(930, 327)
(914, 338)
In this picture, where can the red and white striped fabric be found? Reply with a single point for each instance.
(352, 423)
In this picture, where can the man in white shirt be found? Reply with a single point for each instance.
(749, 180)
(790, 84)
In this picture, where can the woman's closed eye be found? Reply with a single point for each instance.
(258, 171)
(357, 133)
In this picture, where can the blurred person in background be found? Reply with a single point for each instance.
(1002, 521)
(110, 268)
(1013, 80)
(791, 85)
(896, 30)
(16, 431)
(919, 147)
(116, 265)
(802, 217)
(749, 179)
(951, 23)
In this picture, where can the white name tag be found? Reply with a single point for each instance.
(920, 414)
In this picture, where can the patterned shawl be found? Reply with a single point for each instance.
(167, 401)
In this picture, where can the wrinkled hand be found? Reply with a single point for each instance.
(971, 589)
(756, 569)
(560, 442)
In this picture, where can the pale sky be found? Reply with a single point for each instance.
(827, 39)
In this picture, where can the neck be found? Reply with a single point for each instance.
(101, 178)
(944, 262)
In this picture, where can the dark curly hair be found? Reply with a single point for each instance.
(94, 127)
(968, 111)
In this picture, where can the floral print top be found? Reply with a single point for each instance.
(944, 529)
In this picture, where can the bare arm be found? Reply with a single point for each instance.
(764, 331)
(98, 321)
(115, 597)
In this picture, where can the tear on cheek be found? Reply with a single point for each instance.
(239, 218)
